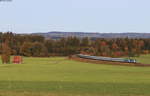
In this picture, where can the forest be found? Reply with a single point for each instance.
(37, 46)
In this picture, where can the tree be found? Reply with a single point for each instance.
(6, 52)
(26, 49)
(39, 50)
(36, 49)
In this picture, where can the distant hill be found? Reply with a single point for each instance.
(58, 35)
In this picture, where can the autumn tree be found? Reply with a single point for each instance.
(36, 45)
(6, 52)
(39, 50)
(26, 49)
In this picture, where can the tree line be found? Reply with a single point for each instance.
(38, 46)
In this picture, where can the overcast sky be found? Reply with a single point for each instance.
(28, 16)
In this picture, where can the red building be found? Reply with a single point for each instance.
(17, 59)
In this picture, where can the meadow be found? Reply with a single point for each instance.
(59, 76)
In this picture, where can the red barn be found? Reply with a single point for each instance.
(17, 59)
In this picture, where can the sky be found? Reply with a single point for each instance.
(29, 16)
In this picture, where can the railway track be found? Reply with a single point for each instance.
(74, 57)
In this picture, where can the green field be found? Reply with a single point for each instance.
(58, 76)
(143, 59)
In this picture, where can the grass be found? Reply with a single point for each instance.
(58, 76)
(143, 59)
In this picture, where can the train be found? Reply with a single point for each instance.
(107, 58)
